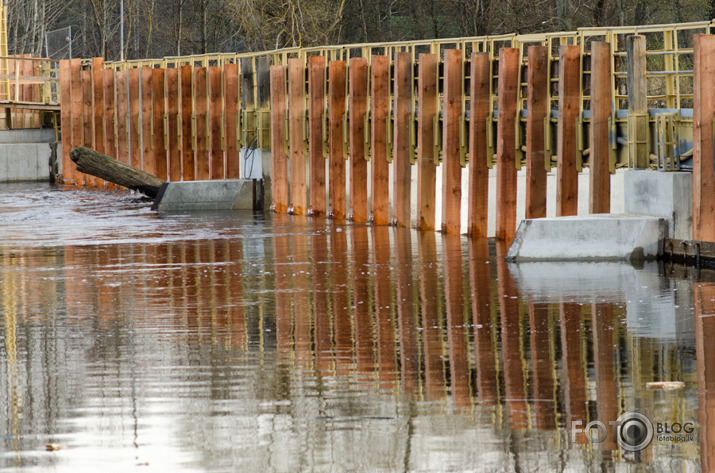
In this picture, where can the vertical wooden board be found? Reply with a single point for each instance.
(637, 84)
(158, 99)
(703, 112)
(188, 172)
(296, 124)
(173, 151)
(426, 111)
(200, 128)
(599, 197)
(231, 106)
(87, 120)
(380, 97)
(336, 109)
(77, 140)
(537, 111)
(135, 152)
(109, 114)
(148, 161)
(506, 140)
(316, 116)
(67, 175)
(217, 166)
(358, 164)
(27, 90)
(98, 97)
(279, 165)
(569, 98)
(479, 97)
(402, 174)
(122, 117)
(451, 166)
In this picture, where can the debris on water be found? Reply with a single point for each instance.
(53, 447)
(665, 385)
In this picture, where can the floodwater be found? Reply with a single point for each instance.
(136, 341)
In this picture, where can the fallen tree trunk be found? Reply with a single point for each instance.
(99, 165)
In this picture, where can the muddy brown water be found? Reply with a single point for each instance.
(133, 340)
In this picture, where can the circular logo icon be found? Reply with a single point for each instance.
(635, 431)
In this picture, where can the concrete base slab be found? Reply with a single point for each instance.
(662, 194)
(227, 194)
(600, 237)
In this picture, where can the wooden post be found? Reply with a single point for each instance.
(217, 168)
(638, 133)
(316, 112)
(65, 120)
(98, 106)
(148, 161)
(703, 112)
(426, 112)
(537, 113)
(158, 97)
(76, 71)
(479, 160)
(188, 171)
(110, 142)
(296, 127)
(569, 97)
(122, 117)
(87, 120)
(200, 127)
(172, 124)
(402, 171)
(380, 96)
(358, 164)
(231, 117)
(134, 78)
(451, 128)
(506, 166)
(336, 110)
(279, 165)
(601, 105)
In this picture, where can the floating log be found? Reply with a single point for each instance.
(102, 166)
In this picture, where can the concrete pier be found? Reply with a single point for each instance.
(227, 194)
(26, 155)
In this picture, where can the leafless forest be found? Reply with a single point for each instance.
(157, 28)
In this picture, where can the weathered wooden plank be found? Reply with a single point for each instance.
(336, 109)
(98, 103)
(279, 172)
(316, 116)
(172, 125)
(188, 168)
(506, 144)
(296, 129)
(477, 209)
(77, 140)
(217, 167)
(569, 98)
(599, 200)
(537, 112)
(358, 164)
(122, 117)
(703, 113)
(380, 96)
(158, 98)
(638, 130)
(88, 120)
(200, 125)
(426, 111)
(65, 120)
(148, 161)
(401, 167)
(231, 117)
(110, 113)
(451, 128)
(135, 152)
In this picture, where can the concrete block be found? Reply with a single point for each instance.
(599, 237)
(228, 194)
(22, 136)
(662, 194)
